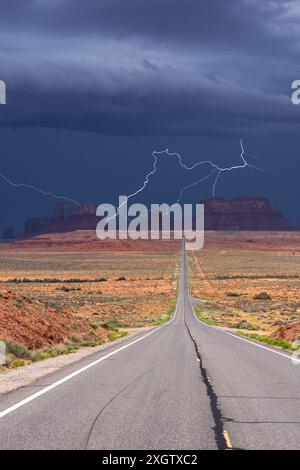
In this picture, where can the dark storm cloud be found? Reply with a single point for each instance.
(175, 20)
(159, 66)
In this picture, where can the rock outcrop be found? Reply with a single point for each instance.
(37, 325)
(80, 217)
(289, 332)
(246, 213)
(36, 225)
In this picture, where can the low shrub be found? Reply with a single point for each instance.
(262, 296)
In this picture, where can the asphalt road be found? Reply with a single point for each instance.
(184, 385)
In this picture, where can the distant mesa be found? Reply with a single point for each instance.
(79, 217)
(245, 213)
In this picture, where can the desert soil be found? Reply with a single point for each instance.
(234, 269)
(49, 299)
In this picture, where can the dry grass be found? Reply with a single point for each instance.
(138, 287)
(235, 283)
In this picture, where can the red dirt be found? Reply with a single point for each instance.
(36, 325)
(289, 332)
(86, 241)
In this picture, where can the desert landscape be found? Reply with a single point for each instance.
(249, 281)
(54, 300)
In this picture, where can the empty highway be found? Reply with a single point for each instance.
(183, 385)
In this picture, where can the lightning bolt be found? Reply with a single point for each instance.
(216, 171)
(38, 190)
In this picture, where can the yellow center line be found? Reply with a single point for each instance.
(227, 440)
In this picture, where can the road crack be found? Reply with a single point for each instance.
(107, 404)
(220, 433)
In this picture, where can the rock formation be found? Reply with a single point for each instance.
(245, 213)
(79, 217)
(36, 225)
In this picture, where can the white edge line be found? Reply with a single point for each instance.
(83, 369)
(243, 339)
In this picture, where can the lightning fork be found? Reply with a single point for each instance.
(216, 170)
(38, 190)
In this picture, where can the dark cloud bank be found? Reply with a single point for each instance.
(146, 67)
(94, 86)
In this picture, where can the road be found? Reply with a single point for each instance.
(184, 385)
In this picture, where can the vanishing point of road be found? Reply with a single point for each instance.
(184, 385)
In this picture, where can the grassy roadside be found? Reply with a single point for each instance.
(113, 329)
(18, 355)
(170, 312)
(265, 339)
(204, 316)
(270, 341)
(167, 316)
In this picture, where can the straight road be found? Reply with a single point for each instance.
(184, 385)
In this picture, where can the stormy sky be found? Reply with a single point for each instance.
(93, 87)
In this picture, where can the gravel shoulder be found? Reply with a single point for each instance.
(22, 376)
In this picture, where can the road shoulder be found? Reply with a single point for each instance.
(26, 375)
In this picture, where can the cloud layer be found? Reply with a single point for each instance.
(159, 67)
